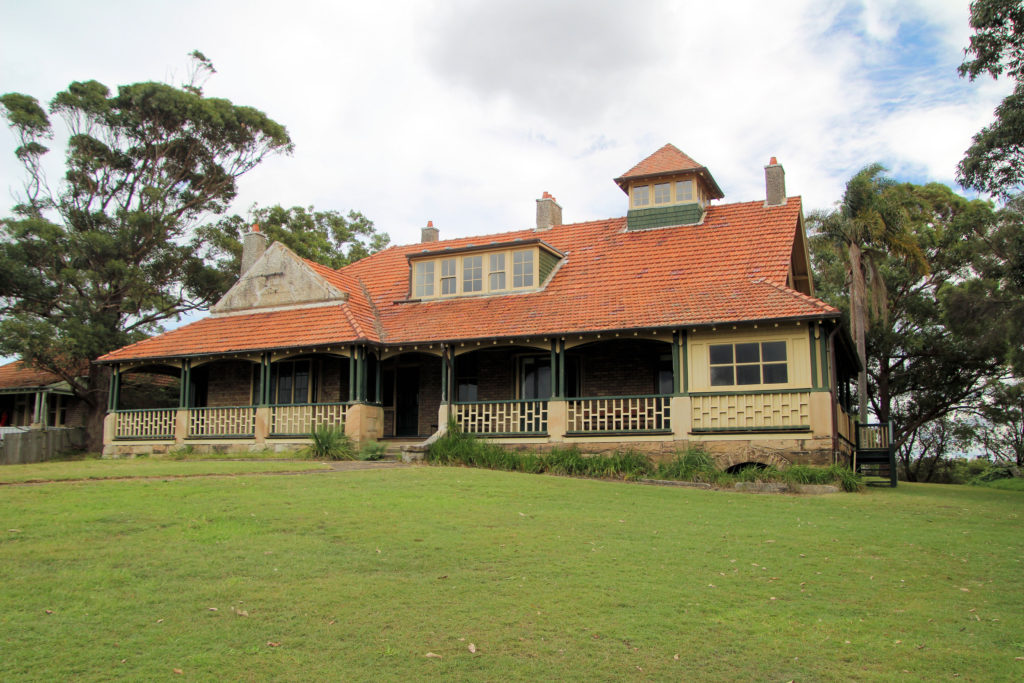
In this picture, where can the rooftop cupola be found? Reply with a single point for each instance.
(667, 188)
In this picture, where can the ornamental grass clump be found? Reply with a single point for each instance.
(331, 443)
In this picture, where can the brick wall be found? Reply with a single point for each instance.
(229, 383)
(430, 394)
(619, 368)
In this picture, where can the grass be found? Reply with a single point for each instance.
(359, 575)
(61, 470)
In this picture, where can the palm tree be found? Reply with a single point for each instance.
(868, 223)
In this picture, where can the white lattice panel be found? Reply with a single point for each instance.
(503, 417)
(628, 414)
(752, 411)
(145, 424)
(222, 422)
(305, 418)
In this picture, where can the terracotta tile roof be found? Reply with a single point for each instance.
(295, 328)
(668, 159)
(730, 268)
(17, 375)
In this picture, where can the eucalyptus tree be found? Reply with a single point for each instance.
(101, 258)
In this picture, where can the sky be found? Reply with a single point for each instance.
(463, 112)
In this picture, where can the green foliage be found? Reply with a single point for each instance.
(372, 450)
(328, 237)
(994, 162)
(101, 260)
(331, 443)
(457, 448)
(946, 333)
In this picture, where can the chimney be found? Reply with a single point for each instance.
(254, 243)
(774, 184)
(429, 233)
(549, 212)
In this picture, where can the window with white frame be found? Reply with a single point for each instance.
(448, 282)
(641, 195)
(522, 269)
(472, 273)
(496, 275)
(663, 193)
(423, 279)
(749, 363)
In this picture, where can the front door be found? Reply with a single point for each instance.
(407, 405)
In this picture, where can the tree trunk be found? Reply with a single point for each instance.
(858, 325)
(96, 400)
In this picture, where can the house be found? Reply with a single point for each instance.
(684, 322)
(31, 398)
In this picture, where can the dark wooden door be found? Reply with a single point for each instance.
(407, 404)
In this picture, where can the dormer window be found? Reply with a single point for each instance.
(493, 269)
(684, 191)
(641, 195)
(662, 193)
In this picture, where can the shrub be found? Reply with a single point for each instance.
(331, 443)
(372, 450)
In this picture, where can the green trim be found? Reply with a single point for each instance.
(302, 405)
(675, 363)
(546, 262)
(754, 391)
(814, 356)
(686, 364)
(750, 430)
(507, 435)
(143, 410)
(663, 216)
(506, 400)
(351, 374)
(444, 374)
(154, 437)
(622, 432)
(825, 373)
(561, 369)
(553, 370)
(219, 437)
(602, 398)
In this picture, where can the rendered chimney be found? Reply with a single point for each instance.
(254, 243)
(429, 233)
(774, 184)
(549, 212)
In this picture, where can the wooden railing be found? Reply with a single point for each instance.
(495, 418)
(156, 424)
(874, 436)
(219, 423)
(618, 414)
(751, 412)
(845, 426)
(302, 419)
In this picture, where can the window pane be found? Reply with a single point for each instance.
(775, 373)
(301, 391)
(424, 279)
(448, 276)
(662, 193)
(773, 351)
(641, 195)
(522, 269)
(721, 353)
(684, 190)
(497, 281)
(472, 273)
(722, 376)
(748, 374)
(747, 353)
(284, 385)
(497, 262)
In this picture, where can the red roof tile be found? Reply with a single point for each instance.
(667, 160)
(18, 375)
(730, 268)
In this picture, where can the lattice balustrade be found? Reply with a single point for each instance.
(221, 422)
(303, 419)
(619, 414)
(144, 424)
(752, 411)
(503, 417)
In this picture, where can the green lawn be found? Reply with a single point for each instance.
(358, 575)
(144, 467)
